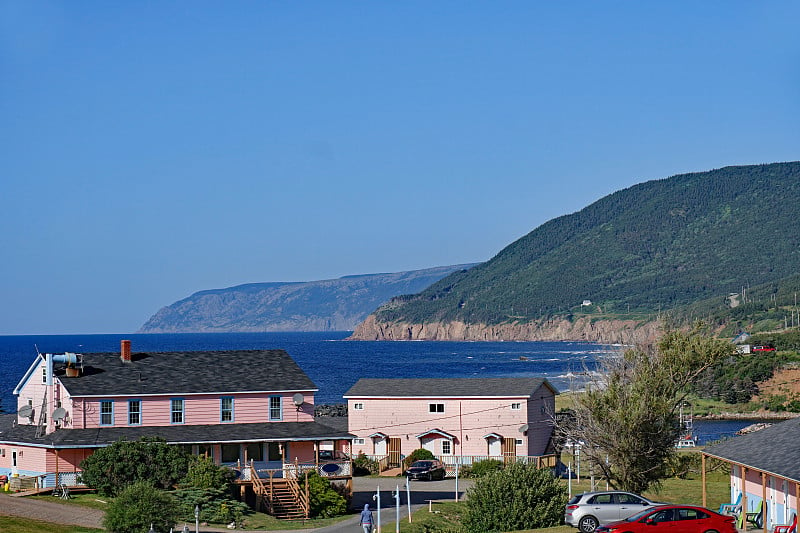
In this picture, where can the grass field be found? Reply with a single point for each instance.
(13, 524)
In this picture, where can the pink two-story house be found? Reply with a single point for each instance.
(458, 420)
(235, 406)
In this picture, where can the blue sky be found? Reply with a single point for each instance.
(149, 150)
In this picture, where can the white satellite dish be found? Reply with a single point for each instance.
(523, 428)
(26, 410)
(58, 414)
(298, 399)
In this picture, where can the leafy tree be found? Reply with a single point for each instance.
(628, 417)
(324, 501)
(139, 505)
(150, 459)
(519, 496)
(364, 466)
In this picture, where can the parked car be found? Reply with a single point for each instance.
(764, 348)
(672, 518)
(588, 510)
(429, 469)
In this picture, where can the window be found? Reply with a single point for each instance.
(358, 406)
(274, 452)
(134, 412)
(106, 413)
(275, 408)
(519, 442)
(436, 408)
(226, 409)
(446, 448)
(358, 442)
(255, 451)
(516, 406)
(44, 374)
(205, 449)
(176, 410)
(230, 453)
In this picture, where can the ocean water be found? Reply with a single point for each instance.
(335, 364)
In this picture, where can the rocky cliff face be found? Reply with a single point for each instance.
(583, 329)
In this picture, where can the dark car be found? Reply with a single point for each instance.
(672, 518)
(429, 469)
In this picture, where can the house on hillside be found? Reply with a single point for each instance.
(764, 467)
(253, 410)
(460, 421)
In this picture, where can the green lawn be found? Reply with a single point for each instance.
(28, 525)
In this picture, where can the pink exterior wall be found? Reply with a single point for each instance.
(467, 419)
(781, 494)
(198, 409)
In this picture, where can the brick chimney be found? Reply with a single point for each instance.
(125, 351)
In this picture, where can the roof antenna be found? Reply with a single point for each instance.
(37, 349)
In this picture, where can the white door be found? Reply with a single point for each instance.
(380, 446)
(14, 470)
(428, 444)
(494, 447)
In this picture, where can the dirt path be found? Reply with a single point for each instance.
(51, 512)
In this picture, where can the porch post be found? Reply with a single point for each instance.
(764, 511)
(56, 482)
(703, 476)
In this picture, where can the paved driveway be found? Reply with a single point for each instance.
(50, 511)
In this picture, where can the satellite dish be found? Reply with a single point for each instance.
(26, 410)
(523, 428)
(59, 413)
(298, 399)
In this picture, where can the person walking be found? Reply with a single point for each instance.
(367, 522)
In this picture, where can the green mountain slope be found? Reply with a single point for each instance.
(654, 246)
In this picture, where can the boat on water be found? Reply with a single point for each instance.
(687, 439)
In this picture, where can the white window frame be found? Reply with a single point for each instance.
(358, 442)
(173, 411)
(137, 413)
(106, 417)
(275, 408)
(447, 448)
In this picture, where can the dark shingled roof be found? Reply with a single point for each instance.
(187, 372)
(447, 388)
(773, 450)
(212, 433)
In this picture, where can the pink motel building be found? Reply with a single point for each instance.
(235, 406)
(764, 469)
(458, 420)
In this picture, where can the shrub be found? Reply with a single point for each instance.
(419, 454)
(204, 473)
(138, 506)
(324, 501)
(152, 460)
(364, 466)
(519, 496)
(487, 466)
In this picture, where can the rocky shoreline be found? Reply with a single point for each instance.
(554, 329)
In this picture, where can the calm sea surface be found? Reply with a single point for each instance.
(335, 364)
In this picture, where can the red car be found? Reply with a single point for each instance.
(764, 348)
(672, 519)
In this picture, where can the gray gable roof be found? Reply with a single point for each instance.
(104, 374)
(447, 388)
(184, 433)
(774, 450)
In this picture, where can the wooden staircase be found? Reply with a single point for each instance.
(281, 498)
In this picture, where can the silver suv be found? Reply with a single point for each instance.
(588, 510)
